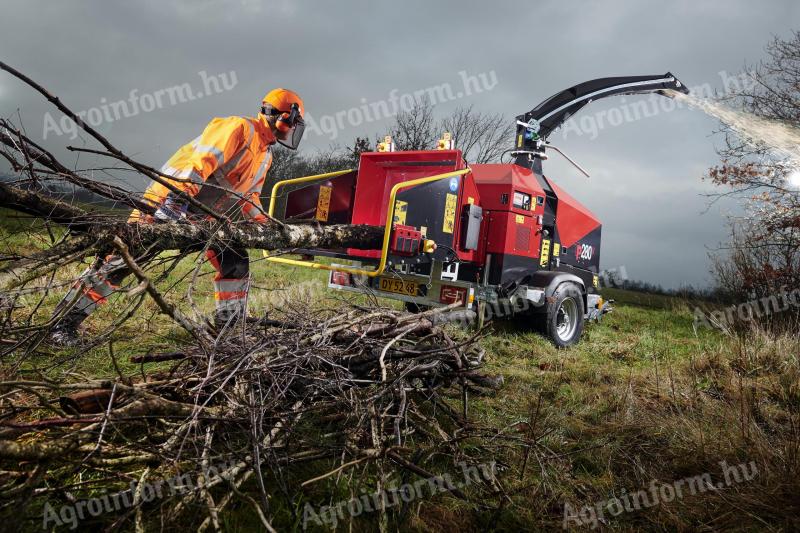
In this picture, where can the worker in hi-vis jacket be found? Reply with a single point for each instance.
(225, 169)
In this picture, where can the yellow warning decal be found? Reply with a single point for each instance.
(323, 203)
(596, 282)
(519, 141)
(556, 249)
(520, 219)
(544, 257)
(449, 214)
(400, 210)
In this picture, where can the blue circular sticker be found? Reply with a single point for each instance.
(454, 184)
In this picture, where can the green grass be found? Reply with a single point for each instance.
(642, 397)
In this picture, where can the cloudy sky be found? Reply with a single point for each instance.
(340, 56)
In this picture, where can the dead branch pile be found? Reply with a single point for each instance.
(373, 389)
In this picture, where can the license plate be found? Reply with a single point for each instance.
(398, 286)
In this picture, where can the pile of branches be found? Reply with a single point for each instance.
(370, 390)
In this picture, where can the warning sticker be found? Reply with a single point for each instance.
(323, 203)
(400, 210)
(449, 214)
(520, 219)
(556, 249)
(544, 257)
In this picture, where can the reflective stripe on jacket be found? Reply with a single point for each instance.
(224, 168)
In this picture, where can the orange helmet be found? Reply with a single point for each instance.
(289, 108)
(282, 100)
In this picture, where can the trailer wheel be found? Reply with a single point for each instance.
(563, 323)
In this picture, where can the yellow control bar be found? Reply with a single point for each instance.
(387, 230)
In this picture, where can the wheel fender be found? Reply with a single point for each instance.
(550, 280)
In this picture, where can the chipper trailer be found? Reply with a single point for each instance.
(496, 239)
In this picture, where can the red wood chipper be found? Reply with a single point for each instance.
(498, 239)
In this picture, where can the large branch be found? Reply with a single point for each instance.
(41, 206)
(183, 235)
(266, 236)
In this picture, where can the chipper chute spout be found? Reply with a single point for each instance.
(543, 119)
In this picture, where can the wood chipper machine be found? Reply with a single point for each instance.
(497, 239)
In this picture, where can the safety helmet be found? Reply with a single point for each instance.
(289, 109)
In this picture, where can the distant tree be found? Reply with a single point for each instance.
(360, 145)
(285, 163)
(290, 164)
(415, 129)
(481, 137)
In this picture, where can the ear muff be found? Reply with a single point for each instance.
(287, 121)
(283, 123)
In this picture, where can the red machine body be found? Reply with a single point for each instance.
(516, 221)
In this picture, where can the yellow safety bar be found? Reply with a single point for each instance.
(280, 184)
(387, 230)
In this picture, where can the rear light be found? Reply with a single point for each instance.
(451, 295)
(343, 279)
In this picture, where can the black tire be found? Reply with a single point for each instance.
(563, 321)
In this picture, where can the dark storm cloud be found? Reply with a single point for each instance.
(646, 175)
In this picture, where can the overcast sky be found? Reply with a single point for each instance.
(339, 56)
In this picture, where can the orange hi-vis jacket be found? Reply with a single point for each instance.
(224, 168)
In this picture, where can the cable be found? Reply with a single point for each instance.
(455, 254)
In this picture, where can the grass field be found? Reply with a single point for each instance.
(644, 402)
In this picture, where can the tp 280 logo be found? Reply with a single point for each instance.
(583, 252)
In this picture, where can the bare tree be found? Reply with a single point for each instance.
(415, 129)
(480, 136)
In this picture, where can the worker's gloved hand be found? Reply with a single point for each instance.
(171, 209)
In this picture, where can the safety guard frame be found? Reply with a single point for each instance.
(387, 230)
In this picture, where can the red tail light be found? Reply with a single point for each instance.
(343, 279)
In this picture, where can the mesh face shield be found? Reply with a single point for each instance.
(295, 134)
(292, 126)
